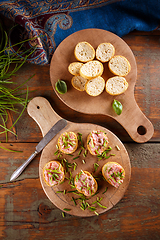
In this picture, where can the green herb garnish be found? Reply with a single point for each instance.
(118, 148)
(67, 209)
(73, 199)
(117, 106)
(92, 142)
(61, 86)
(104, 154)
(75, 158)
(99, 204)
(10, 63)
(80, 139)
(63, 214)
(96, 165)
(96, 213)
(105, 190)
(10, 150)
(74, 166)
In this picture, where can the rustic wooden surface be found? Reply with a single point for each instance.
(26, 212)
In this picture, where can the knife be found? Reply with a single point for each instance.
(45, 140)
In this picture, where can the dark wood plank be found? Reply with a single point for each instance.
(26, 212)
(146, 50)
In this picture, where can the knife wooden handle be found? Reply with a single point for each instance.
(42, 112)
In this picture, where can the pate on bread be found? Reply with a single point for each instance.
(114, 173)
(68, 142)
(85, 183)
(53, 173)
(97, 142)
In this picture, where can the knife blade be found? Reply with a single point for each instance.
(40, 146)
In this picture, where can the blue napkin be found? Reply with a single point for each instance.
(52, 21)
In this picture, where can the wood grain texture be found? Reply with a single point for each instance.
(26, 212)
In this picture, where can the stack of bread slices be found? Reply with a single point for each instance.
(88, 69)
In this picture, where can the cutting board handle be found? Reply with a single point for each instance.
(136, 123)
(42, 112)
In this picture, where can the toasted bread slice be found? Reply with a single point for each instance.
(53, 173)
(68, 142)
(84, 52)
(116, 85)
(95, 86)
(91, 69)
(114, 173)
(74, 67)
(104, 52)
(85, 183)
(119, 65)
(79, 82)
(97, 142)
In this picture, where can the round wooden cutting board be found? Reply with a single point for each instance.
(132, 118)
(41, 111)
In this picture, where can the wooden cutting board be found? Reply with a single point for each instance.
(132, 118)
(42, 112)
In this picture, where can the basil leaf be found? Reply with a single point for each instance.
(117, 106)
(61, 86)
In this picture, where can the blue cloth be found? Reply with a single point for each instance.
(55, 20)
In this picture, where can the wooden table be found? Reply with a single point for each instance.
(25, 210)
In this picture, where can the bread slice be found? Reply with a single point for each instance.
(114, 173)
(68, 142)
(97, 142)
(53, 173)
(85, 183)
(84, 52)
(79, 82)
(104, 52)
(91, 69)
(74, 67)
(119, 65)
(95, 86)
(116, 85)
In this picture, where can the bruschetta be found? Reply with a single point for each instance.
(114, 173)
(53, 173)
(68, 142)
(97, 142)
(85, 183)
